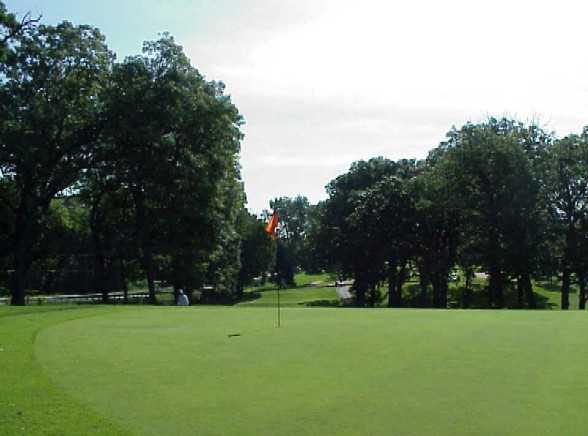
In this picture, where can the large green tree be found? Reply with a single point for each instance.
(492, 183)
(436, 233)
(383, 226)
(176, 153)
(566, 185)
(349, 227)
(50, 119)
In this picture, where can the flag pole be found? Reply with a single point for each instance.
(272, 229)
(279, 286)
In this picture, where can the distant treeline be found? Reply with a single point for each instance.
(499, 197)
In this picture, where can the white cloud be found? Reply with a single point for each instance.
(322, 86)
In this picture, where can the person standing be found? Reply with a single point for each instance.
(183, 298)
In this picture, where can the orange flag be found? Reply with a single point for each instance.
(272, 226)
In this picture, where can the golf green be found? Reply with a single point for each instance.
(230, 371)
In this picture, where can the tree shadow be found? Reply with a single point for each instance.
(413, 296)
(248, 296)
(550, 286)
(542, 302)
(322, 303)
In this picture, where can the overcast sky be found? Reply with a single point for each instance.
(324, 83)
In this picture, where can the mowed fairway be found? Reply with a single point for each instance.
(149, 370)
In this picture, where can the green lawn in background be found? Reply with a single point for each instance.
(309, 291)
(311, 296)
(169, 370)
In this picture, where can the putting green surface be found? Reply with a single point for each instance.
(167, 370)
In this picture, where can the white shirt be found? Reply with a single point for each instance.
(183, 300)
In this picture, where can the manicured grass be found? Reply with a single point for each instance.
(30, 402)
(169, 370)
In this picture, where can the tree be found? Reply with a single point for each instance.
(292, 232)
(258, 251)
(581, 262)
(176, 154)
(566, 184)
(348, 229)
(436, 228)
(315, 257)
(492, 181)
(109, 223)
(50, 112)
(383, 226)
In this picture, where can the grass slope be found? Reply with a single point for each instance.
(327, 371)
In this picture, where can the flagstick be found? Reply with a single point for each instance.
(279, 305)
(271, 229)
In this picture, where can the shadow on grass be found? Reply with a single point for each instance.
(248, 296)
(551, 286)
(321, 303)
(414, 297)
(543, 302)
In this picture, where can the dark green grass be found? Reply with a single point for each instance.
(167, 370)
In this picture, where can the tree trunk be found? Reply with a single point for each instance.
(22, 257)
(392, 295)
(143, 231)
(400, 279)
(123, 280)
(582, 294)
(565, 288)
(436, 291)
(394, 286)
(443, 291)
(359, 286)
(99, 285)
(21, 268)
(528, 288)
(176, 292)
(373, 289)
(104, 295)
(569, 256)
(240, 288)
(467, 292)
(440, 287)
(99, 276)
(495, 288)
(424, 280)
(520, 292)
(148, 265)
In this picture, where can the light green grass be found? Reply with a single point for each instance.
(30, 402)
(295, 297)
(303, 279)
(303, 294)
(168, 370)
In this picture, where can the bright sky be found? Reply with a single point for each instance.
(324, 83)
